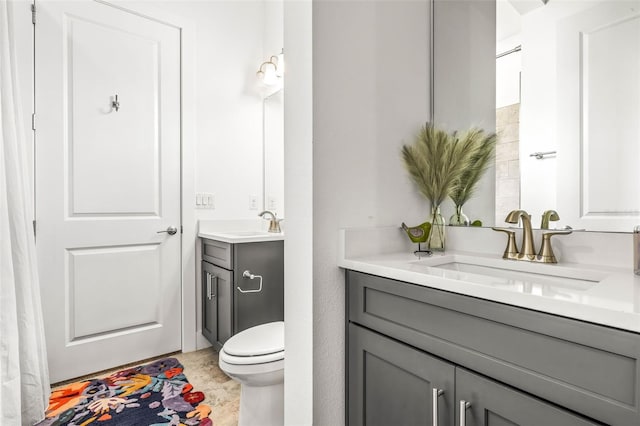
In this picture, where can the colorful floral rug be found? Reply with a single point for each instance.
(149, 395)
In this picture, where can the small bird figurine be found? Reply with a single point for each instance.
(418, 234)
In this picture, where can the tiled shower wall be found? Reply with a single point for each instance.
(507, 161)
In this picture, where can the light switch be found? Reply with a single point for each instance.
(198, 199)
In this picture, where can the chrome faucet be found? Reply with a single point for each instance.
(528, 252)
(548, 215)
(274, 223)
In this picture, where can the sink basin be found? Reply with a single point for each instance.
(522, 277)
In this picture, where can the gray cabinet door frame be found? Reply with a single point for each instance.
(216, 311)
(493, 404)
(392, 383)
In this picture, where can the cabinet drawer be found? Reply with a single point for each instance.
(588, 368)
(218, 253)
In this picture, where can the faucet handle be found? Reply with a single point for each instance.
(548, 215)
(546, 254)
(511, 251)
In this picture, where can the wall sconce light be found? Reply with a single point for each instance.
(271, 70)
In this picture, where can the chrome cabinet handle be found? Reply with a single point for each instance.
(464, 406)
(172, 230)
(434, 402)
(209, 278)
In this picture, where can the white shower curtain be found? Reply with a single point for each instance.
(24, 377)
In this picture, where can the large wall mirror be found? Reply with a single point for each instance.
(273, 145)
(567, 109)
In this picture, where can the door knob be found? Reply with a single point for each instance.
(170, 230)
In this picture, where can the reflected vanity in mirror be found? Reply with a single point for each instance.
(567, 110)
(273, 146)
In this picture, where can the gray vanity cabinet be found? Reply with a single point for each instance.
(226, 310)
(514, 366)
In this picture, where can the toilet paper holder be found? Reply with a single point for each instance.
(248, 274)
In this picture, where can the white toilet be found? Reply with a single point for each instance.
(255, 358)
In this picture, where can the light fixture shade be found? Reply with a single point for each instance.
(267, 73)
(270, 77)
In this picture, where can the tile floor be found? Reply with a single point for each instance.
(201, 368)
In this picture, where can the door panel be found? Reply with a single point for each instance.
(98, 280)
(101, 62)
(107, 181)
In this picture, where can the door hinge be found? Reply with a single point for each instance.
(33, 13)
(33, 121)
(34, 228)
(181, 229)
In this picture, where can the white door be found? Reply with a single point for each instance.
(107, 180)
(598, 110)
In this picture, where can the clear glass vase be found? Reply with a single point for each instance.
(459, 218)
(436, 238)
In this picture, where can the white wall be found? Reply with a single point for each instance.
(298, 247)
(370, 95)
(229, 50)
(274, 113)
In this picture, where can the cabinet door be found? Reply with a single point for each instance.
(217, 286)
(393, 384)
(494, 404)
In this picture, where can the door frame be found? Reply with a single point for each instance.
(187, 156)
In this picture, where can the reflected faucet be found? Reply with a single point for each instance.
(548, 215)
(528, 252)
(274, 223)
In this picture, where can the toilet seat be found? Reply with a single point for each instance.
(248, 360)
(256, 345)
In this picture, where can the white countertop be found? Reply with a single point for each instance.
(608, 296)
(237, 231)
(236, 237)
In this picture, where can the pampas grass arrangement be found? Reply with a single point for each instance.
(483, 147)
(447, 165)
(436, 162)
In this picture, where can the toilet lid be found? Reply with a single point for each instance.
(255, 341)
